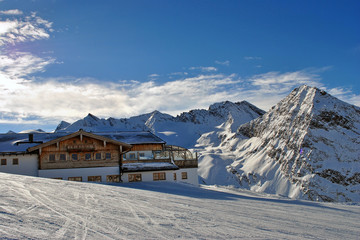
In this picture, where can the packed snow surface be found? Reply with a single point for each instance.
(36, 208)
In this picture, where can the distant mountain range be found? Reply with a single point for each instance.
(307, 146)
(183, 130)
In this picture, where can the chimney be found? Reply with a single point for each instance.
(31, 137)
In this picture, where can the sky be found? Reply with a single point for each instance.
(62, 59)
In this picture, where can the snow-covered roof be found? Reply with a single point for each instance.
(133, 137)
(19, 142)
(151, 166)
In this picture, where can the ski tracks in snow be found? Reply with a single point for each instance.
(33, 208)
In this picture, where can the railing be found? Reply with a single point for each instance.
(146, 160)
(181, 157)
(186, 163)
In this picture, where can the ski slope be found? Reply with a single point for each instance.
(35, 208)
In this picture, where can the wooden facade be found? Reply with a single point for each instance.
(148, 147)
(80, 150)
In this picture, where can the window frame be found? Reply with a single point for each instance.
(87, 156)
(52, 158)
(94, 179)
(75, 159)
(135, 177)
(75, 179)
(60, 157)
(113, 178)
(96, 156)
(159, 176)
(3, 162)
(15, 161)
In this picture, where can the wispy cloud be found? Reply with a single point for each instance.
(70, 100)
(11, 12)
(225, 63)
(21, 64)
(153, 76)
(28, 100)
(252, 58)
(204, 69)
(29, 28)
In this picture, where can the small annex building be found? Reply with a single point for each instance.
(96, 157)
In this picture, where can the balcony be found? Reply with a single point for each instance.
(181, 157)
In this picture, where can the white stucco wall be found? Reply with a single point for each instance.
(80, 172)
(28, 164)
(192, 176)
(148, 176)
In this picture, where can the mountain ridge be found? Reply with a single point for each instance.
(294, 149)
(183, 130)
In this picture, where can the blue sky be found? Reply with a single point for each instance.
(60, 60)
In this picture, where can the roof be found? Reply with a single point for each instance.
(133, 137)
(19, 142)
(79, 133)
(151, 166)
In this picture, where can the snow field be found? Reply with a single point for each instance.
(39, 208)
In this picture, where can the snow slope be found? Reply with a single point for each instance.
(182, 130)
(36, 208)
(307, 146)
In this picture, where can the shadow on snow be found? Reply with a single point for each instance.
(192, 191)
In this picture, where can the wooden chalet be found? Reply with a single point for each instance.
(99, 157)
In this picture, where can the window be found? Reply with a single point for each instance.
(3, 161)
(131, 156)
(62, 157)
(15, 161)
(134, 177)
(94, 178)
(52, 158)
(184, 175)
(113, 178)
(77, 179)
(141, 154)
(107, 155)
(159, 176)
(87, 156)
(174, 176)
(98, 156)
(74, 156)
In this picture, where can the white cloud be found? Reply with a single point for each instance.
(154, 75)
(346, 95)
(69, 100)
(11, 12)
(276, 80)
(25, 100)
(204, 69)
(30, 28)
(21, 64)
(225, 63)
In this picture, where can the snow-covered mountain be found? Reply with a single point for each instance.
(183, 130)
(307, 146)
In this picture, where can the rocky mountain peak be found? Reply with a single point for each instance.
(300, 137)
(62, 125)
